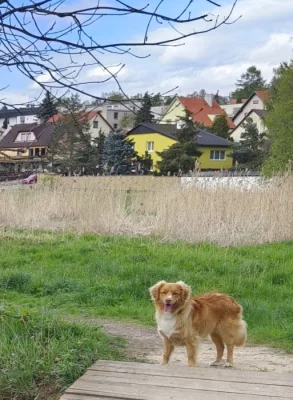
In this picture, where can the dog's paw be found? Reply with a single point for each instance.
(217, 363)
(228, 365)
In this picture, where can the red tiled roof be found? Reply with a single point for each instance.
(201, 110)
(261, 94)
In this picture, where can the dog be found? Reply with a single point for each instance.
(182, 320)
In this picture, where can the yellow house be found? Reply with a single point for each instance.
(155, 138)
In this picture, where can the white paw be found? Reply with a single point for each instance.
(217, 363)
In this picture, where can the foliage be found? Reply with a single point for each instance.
(48, 107)
(183, 154)
(251, 151)
(39, 356)
(220, 126)
(145, 162)
(113, 96)
(118, 154)
(249, 82)
(70, 146)
(128, 121)
(144, 113)
(280, 121)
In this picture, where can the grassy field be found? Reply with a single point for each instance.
(144, 206)
(59, 275)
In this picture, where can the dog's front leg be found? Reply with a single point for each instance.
(191, 347)
(168, 349)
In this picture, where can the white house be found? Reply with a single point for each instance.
(257, 117)
(27, 115)
(255, 102)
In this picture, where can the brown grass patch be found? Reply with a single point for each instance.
(153, 206)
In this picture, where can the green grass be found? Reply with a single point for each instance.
(61, 275)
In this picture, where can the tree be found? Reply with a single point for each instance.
(116, 96)
(156, 100)
(220, 126)
(251, 151)
(70, 147)
(5, 123)
(274, 84)
(47, 108)
(183, 154)
(279, 122)
(118, 154)
(250, 81)
(46, 40)
(144, 113)
(127, 121)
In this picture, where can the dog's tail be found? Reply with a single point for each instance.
(241, 336)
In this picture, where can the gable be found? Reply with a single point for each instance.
(23, 137)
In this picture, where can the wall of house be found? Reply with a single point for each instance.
(236, 135)
(6, 155)
(160, 143)
(173, 113)
(102, 125)
(255, 103)
(20, 119)
(231, 109)
(207, 163)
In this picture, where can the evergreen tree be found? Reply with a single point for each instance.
(251, 151)
(220, 126)
(118, 154)
(183, 154)
(279, 122)
(249, 82)
(5, 123)
(71, 139)
(47, 108)
(144, 113)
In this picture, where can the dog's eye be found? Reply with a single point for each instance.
(175, 293)
(163, 292)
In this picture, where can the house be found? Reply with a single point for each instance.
(255, 102)
(231, 109)
(257, 117)
(114, 111)
(204, 111)
(14, 116)
(26, 143)
(155, 138)
(97, 123)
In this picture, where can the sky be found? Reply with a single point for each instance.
(212, 61)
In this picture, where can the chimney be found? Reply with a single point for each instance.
(209, 99)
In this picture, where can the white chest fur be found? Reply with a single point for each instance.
(166, 324)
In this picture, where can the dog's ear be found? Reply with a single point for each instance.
(185, 290)
(155, 290)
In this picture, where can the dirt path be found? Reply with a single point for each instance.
(144, 344)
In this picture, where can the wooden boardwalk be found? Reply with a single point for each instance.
(107, 380)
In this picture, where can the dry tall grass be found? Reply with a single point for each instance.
(159, 206)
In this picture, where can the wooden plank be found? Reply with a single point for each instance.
(185, 383)
(68, 396)
(214, 374)
(149, 392)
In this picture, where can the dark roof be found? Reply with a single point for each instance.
(43, 134)
(11, 112)
(203, 137)
(260, 113)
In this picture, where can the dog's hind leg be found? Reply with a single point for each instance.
(168, 349)
(220, 349)
(229, 363)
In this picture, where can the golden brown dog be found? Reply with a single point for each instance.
(182, 320)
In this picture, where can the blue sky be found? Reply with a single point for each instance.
(212, 61)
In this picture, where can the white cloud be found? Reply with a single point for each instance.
(104, 73)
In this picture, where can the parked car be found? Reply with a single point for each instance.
(31, 179)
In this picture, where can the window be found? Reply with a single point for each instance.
(96, 124)
(43, 152)
(125, 114)
(235, 110)
(22, 119)
(115, 126)
(19, 153)
(37, 152)
(255, 101)
(150, 146)
(218, 155)
(24, 137)
(115, 115)
(133, 108)
(31, 153)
